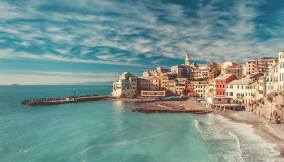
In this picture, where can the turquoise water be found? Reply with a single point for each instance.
(107, 131)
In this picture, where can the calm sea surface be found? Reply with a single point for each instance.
(107, 131)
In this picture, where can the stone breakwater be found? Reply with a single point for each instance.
(64, 100)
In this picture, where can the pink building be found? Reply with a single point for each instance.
(221, 83)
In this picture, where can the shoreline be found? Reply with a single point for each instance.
(273, 133)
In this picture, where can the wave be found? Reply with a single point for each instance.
(124, 142)
(252, 147)
(238, 145)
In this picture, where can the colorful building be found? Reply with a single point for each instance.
(221, 84)
(190, 89)
(232, 68)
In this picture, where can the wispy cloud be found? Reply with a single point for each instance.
(47, 77)
(139, 33)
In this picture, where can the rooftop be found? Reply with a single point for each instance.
(224, 76)
(241, 82)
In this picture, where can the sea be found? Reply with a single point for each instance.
(106, 131)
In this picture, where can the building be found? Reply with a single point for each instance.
(221, 84)
(281, 71)
(201, 72)
(232, 68)
(156, 72)
(164, 81)
(125, 86)
(180, 89)
(190, 89)
(177, 86)
(260, 88)
(241, 90)
(210, 89)
(153, 93)
(253, 67)
(199, 88)
(272, 79)
(151, 83)
(187, 60)
(181, 70)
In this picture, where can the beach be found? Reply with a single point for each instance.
(273, 133)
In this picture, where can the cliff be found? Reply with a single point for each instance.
(270, 107)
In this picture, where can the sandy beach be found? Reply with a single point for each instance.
(187, 106)
(273, 133)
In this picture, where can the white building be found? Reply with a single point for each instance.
(125, 86)
(242, 90)
(281, 70)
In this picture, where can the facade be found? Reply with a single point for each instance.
(181, 70)
(199, 88)
(281, 71)
(190, 89)
(153, 93)
(210, 89)
(201, 72)
(221, 84)
(125, 86)
(177, 86)
(241, 90)
(253, 67)
(155, 73)
(272, 79)
(232, 68)
(260, 88)
(152, 83)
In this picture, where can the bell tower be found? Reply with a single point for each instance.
(187, 60)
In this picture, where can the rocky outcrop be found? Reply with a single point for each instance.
(270, 107)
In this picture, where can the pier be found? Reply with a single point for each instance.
(64, 100)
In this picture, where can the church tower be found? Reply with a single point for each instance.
(187, 60)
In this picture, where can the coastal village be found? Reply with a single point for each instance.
(256, 86)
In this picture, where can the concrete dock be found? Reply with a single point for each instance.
(64, 100)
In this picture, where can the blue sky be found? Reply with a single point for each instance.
(65, 41)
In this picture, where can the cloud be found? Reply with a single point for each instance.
(138, 32)
(39, 78)
(10, 53)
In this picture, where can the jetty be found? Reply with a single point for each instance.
(64, 100)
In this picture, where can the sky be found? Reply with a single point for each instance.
(68, 41)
